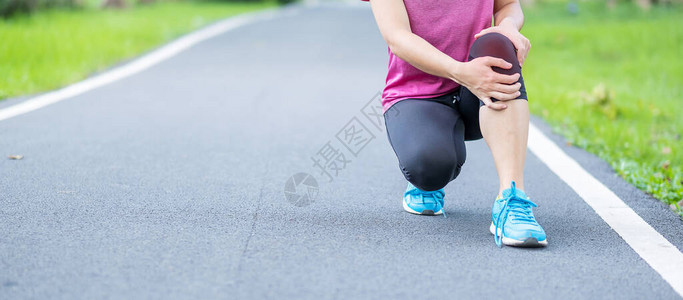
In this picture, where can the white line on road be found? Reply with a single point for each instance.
(140, 64)
(656, 250)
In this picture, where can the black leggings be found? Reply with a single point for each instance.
(428, 135)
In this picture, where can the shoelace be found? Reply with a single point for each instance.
(519, 208)
(436, 195)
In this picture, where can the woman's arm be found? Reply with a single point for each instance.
(476, 75)
(392, 20)
(509, 19)
(508, 11)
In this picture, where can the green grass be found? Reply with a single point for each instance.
(612, 83)
(52, 48)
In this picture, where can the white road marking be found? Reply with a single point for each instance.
(657, 251)
(140, 64)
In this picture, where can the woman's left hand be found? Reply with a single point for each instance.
(509, 30)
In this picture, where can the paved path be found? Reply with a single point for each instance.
(169, 184)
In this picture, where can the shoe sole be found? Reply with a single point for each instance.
(426, 212)
(527, 243)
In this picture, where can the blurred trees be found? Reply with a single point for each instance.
(114, 3)
(12, 7)
(9, 8)
(643, 4)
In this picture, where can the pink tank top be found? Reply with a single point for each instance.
(450, 26)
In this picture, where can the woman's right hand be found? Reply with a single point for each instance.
(478, 76)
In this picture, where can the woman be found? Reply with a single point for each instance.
(454, 78)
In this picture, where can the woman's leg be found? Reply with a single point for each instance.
(428, 139)
(504, 131)
(506, 134)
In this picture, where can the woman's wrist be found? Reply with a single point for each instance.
(509, 22)
(455, 70)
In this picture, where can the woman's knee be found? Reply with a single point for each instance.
(496, 45)
(430, 170)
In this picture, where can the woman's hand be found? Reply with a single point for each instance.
(508, 29)
(478, 76)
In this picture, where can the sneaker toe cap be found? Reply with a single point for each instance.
(524, 232)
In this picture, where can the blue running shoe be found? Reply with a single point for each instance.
(419, 202)
(513, 221)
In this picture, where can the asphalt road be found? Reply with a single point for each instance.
(170, 184)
